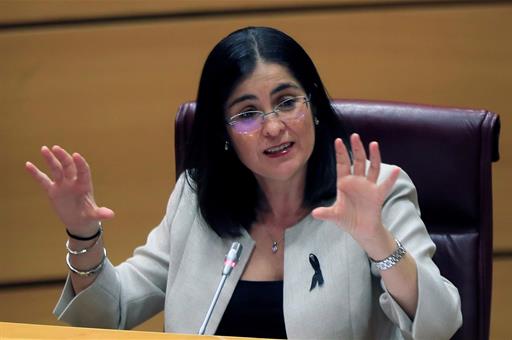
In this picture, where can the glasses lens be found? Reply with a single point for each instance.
(291, 108)
(250, 121)
(246, 122)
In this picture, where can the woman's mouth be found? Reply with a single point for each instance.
(278, 150)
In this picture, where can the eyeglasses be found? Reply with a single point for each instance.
(250, 121)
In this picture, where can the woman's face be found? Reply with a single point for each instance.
(279, 150)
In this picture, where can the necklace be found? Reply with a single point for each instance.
(275, 244)
(275, 247)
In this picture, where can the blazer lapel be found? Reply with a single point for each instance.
(211, 274)
(248, 244)
(324, 311)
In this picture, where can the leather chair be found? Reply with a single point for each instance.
(448, 153)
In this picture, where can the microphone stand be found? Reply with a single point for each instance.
(212, 305)
(230, 262)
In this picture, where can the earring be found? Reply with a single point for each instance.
(316, 121)
(226, 146)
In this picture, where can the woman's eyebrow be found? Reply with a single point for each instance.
(241, 99)
(284, 86)
(277, 89)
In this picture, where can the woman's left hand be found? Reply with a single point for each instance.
(359, 198)
(357, 210)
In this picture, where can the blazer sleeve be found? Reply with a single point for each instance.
(122, 297)
(438, 313)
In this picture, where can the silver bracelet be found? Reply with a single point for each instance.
(392, 259)
(89, 271)
(86, 249)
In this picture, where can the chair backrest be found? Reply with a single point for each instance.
(448, 153)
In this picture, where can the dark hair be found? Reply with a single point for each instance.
(227, 192)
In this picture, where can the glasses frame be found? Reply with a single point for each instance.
(262, 115)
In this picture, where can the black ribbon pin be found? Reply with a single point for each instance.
(317, 276)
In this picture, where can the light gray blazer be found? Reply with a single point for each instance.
(179, 267)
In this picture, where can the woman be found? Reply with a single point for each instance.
(333, 244)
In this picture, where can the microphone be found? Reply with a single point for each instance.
(230, 261)
(232, 257)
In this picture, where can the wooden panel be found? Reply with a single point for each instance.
(11, 330)
(501, 299)
(111, 93)
(12, 11)
(42, 300)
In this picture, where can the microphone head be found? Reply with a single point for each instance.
(232, 257)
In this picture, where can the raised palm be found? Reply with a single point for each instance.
(359, 199)
(70, 190)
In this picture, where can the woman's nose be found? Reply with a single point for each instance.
(272, 126)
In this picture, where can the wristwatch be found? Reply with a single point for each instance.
(392, 259)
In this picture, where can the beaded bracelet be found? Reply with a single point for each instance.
(88, 272)
(86, 249)
(88, 238)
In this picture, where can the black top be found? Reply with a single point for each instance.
(255, 310)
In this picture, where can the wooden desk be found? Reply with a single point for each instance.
(28, 331)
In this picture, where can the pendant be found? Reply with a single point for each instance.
(274, 247)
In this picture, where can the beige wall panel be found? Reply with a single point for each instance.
(110, 92)
(34, 10)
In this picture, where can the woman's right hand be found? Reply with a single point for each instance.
(70, 190)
